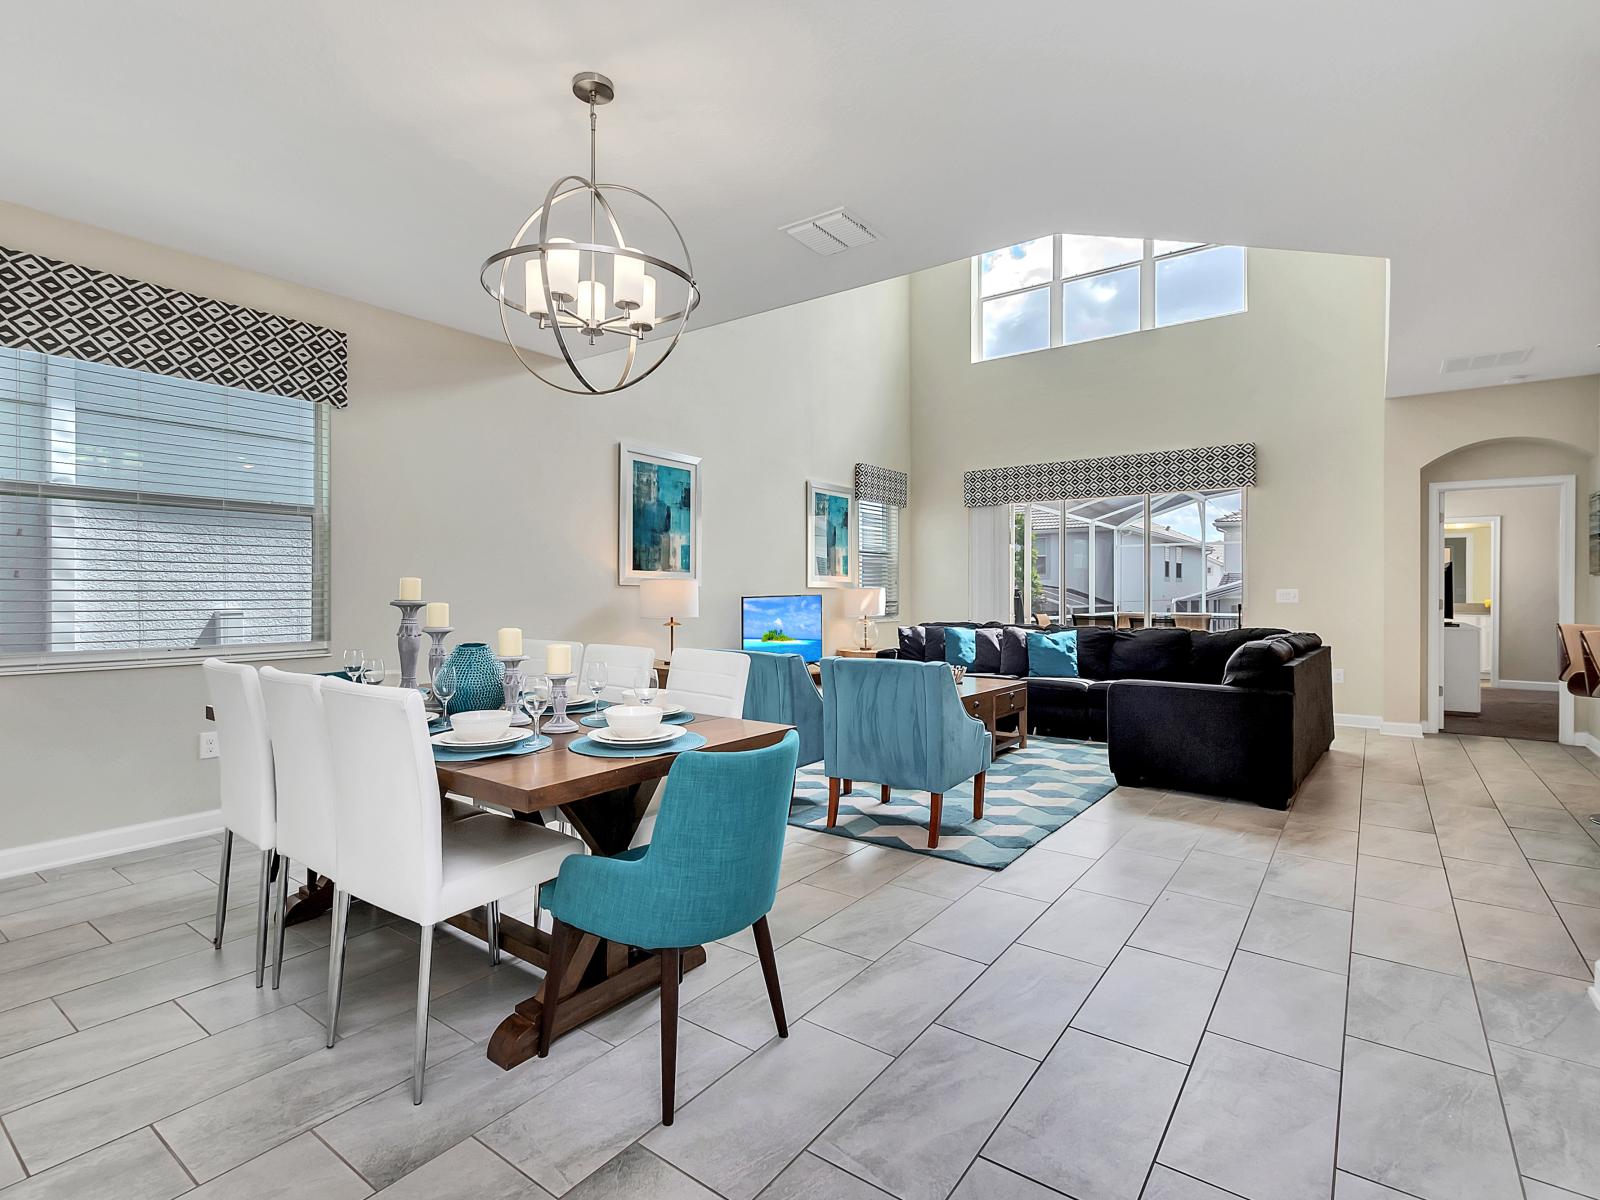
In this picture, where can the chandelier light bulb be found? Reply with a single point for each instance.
(627, 282)
(591, 302)
(643, 318)
(563, 266)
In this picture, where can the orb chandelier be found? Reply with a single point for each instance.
(596, 285)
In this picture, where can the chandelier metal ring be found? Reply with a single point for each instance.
(590, 317)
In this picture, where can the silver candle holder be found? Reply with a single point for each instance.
(436, 660)
(513, 688)
(559, 721)
(409, 637)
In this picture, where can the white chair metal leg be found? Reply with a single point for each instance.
(494, 932)
(281, 907)
(222, 885)
(263, 912)
(341, 917)
(424, 978)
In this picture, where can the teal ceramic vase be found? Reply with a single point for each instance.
(480, 678)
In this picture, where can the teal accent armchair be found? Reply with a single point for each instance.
(780, 690)
(709, 870)
(900, 724)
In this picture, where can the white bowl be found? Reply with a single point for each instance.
(481, 726)
(633, 720)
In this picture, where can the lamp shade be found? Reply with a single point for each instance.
(669, 598)
(867, 602)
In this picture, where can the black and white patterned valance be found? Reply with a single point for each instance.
(882, 484)
(61, 308)
(1203, 468)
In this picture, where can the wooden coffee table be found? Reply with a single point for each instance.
(1002, 706)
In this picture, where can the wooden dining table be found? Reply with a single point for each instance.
(603, 799)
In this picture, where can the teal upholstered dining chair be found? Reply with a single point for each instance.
(900, 725)
(780, 690)
(709, 870)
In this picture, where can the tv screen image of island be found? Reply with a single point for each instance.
(784, 625)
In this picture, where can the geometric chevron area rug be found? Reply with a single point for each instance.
(1029, 794)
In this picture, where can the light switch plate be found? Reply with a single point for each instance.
(1288, 596)
(1338, 674)
(208, 745)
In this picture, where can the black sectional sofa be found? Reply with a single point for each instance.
(1244, 713)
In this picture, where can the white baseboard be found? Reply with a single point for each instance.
(1588, 741)
(1529, 685)
(1410, 729)
(1358, 720)
(62, 852)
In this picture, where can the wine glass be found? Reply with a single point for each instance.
(444, 687)
(537, 699)
(595, 681)
(352, 664)
(372, 671)
(647, 687)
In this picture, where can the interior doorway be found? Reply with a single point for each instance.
(1500, 577)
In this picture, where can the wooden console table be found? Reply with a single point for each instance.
(1002, 706)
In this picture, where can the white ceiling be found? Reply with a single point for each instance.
(382, 148)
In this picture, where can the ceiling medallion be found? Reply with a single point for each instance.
(597, 284)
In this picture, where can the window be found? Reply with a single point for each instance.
(1066, 289)
(148, 518)
(880, 551)
(1121, 560)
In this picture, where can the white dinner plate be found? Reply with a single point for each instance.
(671, 710)
(664, 734)
(574, 704)
(451, 740)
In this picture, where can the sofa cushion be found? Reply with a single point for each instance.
(986, 651)
(960, 646)
(913, 642)
(933, 643)
(1211, 651)
(1053, 655)
(1263, 663)
(1094, 651)
(1014, 651)
(1151, 654)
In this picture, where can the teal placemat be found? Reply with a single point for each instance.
(599, 722)
(525, 747)
(594, 749)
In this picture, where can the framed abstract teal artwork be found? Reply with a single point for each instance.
(830, 531)
(658, 514)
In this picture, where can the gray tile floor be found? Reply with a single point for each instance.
(1379, 994)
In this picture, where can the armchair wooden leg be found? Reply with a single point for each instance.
(977, 795)
(671, 961)
(769, 969)
(935, 813)
(560, 948)
(833, 801)
(883, 794)
(849, 785)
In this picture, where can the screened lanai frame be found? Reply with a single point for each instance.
(1128, 520)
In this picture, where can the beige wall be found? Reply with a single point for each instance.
(1545, 428)
(766, 402)
(1529, 557)
(1301, 375)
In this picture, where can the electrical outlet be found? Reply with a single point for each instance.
(1288, 596)
(208, 745)
(1338, 674)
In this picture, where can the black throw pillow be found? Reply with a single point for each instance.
(1014, 651)
(933, 644)
(986, 661)
(1211, 651)
(1151, 654)
(913, 642)
(1094, 651)
(1260, 664)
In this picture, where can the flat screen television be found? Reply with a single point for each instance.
(783, 625)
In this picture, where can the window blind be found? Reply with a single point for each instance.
(150, 518)
(880, 551)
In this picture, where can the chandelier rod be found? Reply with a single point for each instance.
(594, 178)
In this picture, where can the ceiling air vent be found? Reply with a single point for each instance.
(831, 232)
(1484, 362)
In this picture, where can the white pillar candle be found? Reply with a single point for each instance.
(558, 659)
(410, 588)
(509, 642)
(436, 615)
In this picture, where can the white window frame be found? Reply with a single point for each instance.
(891, 516)
(1057, 285)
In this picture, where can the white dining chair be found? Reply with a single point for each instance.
(395, 852)
(249, 803)
(625, 666)
(537, 648)
(709, 682)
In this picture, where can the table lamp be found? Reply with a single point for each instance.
(670, 598)
(867, 603)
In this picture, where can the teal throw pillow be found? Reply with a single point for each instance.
(1053, 655)
(960, 646)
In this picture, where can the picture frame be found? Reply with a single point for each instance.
(658, 514)
(830, 535)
